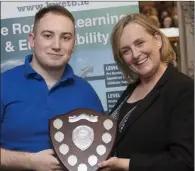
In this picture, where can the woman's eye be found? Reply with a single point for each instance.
(140, 43)
(125, 52)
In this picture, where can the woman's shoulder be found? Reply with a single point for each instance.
(177, 85)
(180, 80)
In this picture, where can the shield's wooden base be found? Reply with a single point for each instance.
(71, 155)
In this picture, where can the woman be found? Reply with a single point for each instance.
(167, 22)
(155, 113)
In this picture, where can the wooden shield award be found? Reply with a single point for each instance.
(82, 138)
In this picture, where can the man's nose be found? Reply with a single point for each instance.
(56, 44)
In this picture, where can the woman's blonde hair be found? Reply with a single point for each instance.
(166, 52)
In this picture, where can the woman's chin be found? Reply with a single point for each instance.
(145, 73)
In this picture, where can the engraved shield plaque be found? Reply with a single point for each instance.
(82, 138)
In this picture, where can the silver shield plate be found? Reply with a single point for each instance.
(83, 137)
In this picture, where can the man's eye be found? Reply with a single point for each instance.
(47, 35)
(66, 38)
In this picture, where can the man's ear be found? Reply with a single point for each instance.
(31, 37)
(158, 39)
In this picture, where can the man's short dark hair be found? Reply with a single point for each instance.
(55, 9)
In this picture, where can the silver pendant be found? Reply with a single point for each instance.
(72, 160)
(59, 136)
(64, 149)
(101, 149)
(108, 124)
(82, 167)
(92, 160)
(106, 138)
(58, 123)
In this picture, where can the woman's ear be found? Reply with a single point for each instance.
(158, 39)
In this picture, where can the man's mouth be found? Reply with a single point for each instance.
(55, 54)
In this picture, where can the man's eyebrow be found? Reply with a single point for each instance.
(49, 31)
(67, 33)
(63, 33)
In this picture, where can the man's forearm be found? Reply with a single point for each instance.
(15, 160)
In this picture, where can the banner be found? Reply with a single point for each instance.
(92, 58)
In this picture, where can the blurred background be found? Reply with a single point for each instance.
(176, 21)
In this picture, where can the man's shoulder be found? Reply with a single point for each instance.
(13, 73)
(80, 79)
(83, 84)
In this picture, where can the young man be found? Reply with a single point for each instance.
(40, 89)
